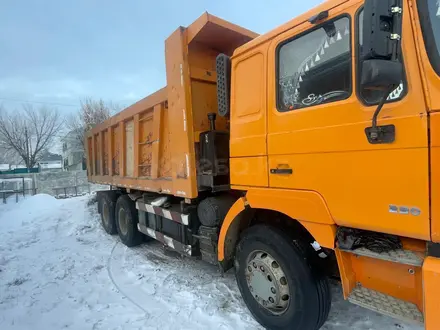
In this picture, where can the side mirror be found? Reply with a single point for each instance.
(381, 69)
(382, 28)
(381, 74)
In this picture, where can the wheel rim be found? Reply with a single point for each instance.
(123, 222)
(267, 282)
(105, 213)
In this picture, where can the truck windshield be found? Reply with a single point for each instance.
(429, 12)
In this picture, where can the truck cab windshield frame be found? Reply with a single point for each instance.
(429, 14)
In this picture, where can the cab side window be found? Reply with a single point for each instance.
(315, 68)
(369, 96)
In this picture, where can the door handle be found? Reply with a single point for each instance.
(281, 171)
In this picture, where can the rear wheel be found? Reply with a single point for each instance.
(126, 221)
(107, 208)
(278, 283)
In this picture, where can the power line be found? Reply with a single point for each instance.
(38, 102)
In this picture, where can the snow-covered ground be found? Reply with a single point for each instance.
(59, 270)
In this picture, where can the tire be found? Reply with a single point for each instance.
(126, 221)
(107, 210)
(306, 298)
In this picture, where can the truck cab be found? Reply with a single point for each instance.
(302, 111)
(306, 130)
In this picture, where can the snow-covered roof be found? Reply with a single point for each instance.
(17, 166)
(4, 167)
(48, 156)
(51, 165)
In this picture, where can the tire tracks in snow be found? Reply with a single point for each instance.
(192, 312)
(185, 303)
(118, 287)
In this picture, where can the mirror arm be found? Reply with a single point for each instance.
(381, 134)
(380, 106)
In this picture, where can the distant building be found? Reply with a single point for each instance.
(51, 162)
(73, 153)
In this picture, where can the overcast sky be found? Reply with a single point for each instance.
(59, 51)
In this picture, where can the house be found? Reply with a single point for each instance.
(51, 162)
(73, 152)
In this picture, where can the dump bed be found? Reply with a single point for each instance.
(152, 145)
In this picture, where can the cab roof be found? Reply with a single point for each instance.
(327, 5)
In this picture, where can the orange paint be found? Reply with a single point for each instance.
(234, 211)
(397, 280)
(306, 207)
(435, 176)
(431, 292)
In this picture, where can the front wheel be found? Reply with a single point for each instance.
(278, 283)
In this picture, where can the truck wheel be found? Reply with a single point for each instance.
(126, 221)
(278, 284)
(107, 208)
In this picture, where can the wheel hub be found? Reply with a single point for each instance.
(267, 282)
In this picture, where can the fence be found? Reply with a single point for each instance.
(51, 183)
(17, 186)
(5, 194)
(21, 171)
(46, 182)
(71, 191)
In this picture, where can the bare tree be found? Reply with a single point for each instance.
(91, 113)
(29, 132)
(10, 157)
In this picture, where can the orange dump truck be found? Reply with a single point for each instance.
(308, 152)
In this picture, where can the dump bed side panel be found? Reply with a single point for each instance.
(115, 150)
(146, 123)
(151, 145)
(203, 77)
(131, 149)
(183, 165)
(105, 141)
(162, 149)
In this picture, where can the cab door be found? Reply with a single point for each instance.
(317, 117)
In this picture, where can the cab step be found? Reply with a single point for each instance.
(405, 257)
(386, 305)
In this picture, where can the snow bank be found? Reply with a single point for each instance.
(39, 202)
(32, 205)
